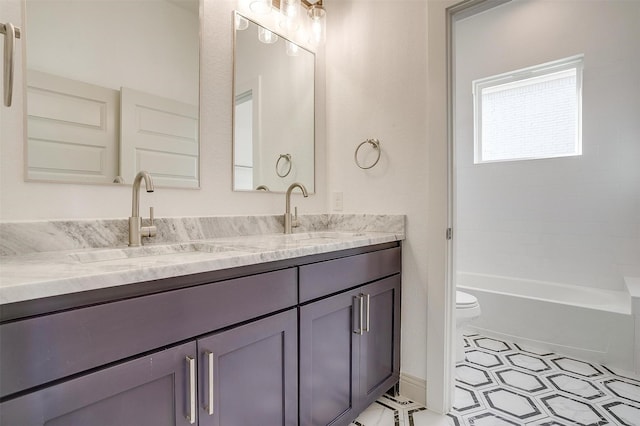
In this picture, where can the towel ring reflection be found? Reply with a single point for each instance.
(376, 145)
(286, 157)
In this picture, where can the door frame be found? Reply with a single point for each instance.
(456, 12)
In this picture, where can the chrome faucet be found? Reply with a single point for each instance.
(136, 230)
(290, 221)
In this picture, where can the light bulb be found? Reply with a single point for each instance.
(289, 20)
(290, 8)
(266, 36)
(261, 7)
(318, 24)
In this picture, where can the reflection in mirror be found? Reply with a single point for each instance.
(273, 143)
(113, 88)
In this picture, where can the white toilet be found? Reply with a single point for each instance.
(467, 309)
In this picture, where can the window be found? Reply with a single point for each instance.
(530, 113)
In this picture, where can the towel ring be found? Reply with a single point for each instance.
(376, 145)
(286, 157)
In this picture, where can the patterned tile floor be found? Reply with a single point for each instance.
(503, 383)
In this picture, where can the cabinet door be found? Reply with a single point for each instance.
(248, 374)
(380, 343)
(328, 361)
(150, 390)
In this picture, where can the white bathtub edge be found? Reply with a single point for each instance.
(603, 333)
(623, 298)
(633, 287)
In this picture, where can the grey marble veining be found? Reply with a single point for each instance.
(42, 259)
(19, 238)
(366, 222)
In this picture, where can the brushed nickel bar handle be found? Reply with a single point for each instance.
(191, 365)
(360, 300)
(10, 34)
(368, 298)
(357, 299)
(210, 378)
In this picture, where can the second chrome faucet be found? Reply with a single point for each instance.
(289, 220)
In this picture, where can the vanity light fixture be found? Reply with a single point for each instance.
(289, 12)
(317, 14)
(261, 7)
(290, 8)
(291, 18)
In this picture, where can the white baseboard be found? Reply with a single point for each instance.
(413, 388)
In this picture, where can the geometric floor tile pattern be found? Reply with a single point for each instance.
(501, 383)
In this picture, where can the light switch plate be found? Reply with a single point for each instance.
(336, 201)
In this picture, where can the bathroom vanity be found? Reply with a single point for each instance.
(306, 340)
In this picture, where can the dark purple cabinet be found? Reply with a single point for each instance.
(149, 390)
(380, 343)
(249, 374)
(349, 352)
(306, 343)
(329, 354)
(81, 339)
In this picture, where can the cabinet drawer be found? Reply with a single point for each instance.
(149, 390)
(42, 349)
(323, 278)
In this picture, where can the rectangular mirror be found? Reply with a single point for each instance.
(273, 111)
(113, 88)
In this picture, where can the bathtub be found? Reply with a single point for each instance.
(585, 323)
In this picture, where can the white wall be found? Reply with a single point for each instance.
(573, 220)
(153, 50)
(377, 87)
(376, 90)
(20, 200)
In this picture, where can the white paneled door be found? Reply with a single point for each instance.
(159, 135)
(72, 129)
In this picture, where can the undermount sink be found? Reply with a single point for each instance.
(160, 250)
(224, 247)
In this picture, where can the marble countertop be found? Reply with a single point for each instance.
(37, 275)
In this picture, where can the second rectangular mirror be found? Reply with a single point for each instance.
(274, 126)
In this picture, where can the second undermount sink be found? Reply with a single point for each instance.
(155, 251)
(323, 237)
